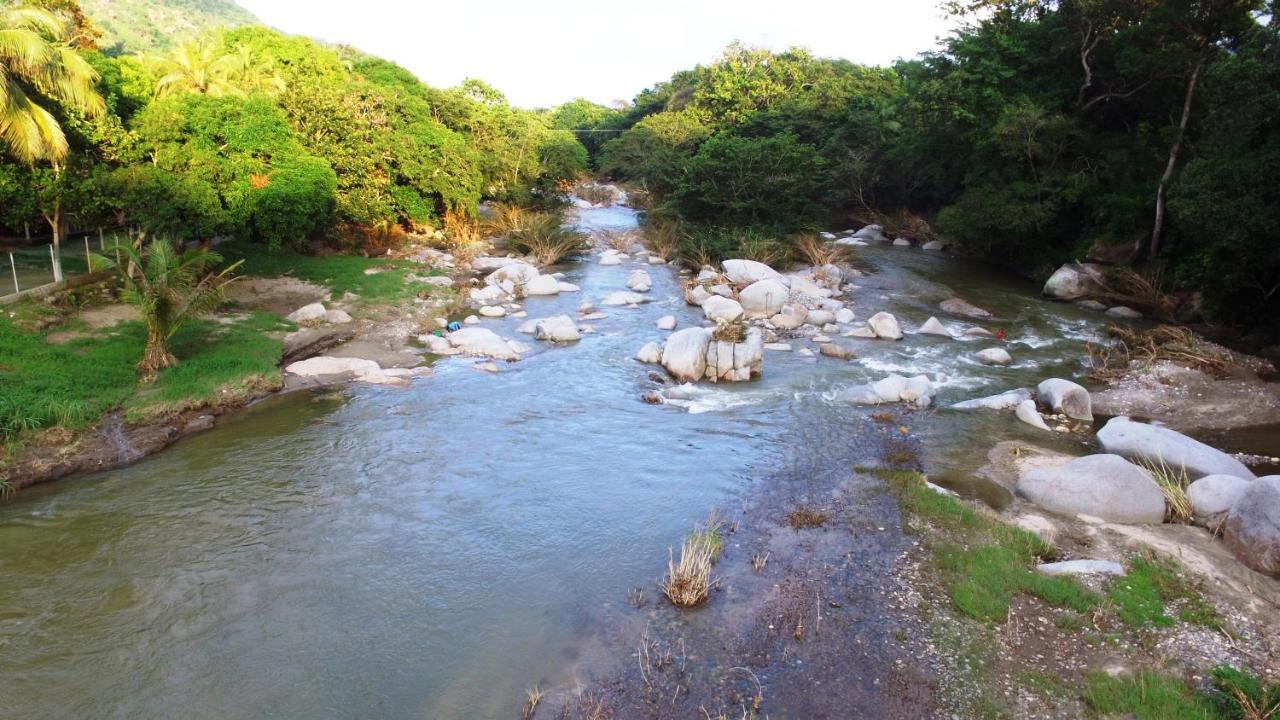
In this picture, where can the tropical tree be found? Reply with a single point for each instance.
(169, 287)
(205, 67)
(38, 64)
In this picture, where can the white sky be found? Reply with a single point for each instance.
(543, 52)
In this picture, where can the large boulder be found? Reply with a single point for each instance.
(721, 309)
(542, 285)
(483, 343)
(871, 234)
(1252, 526)
(745, 272)
(1073, 281)
(326, 369)
(735, 361)
(684, 355)
(763, 298)
(558, 328)
(1066, 397)
(1027, 413)
(957, 306)
(1213, 495)
(1003, 401)
(885, 326)
(1103, 486)
(1153, 443)
(696, 294)
(933, 326)
(651, 352)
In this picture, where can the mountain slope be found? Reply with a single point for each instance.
(151, 25)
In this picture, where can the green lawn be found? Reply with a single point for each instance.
(73, 385)
(340, 273)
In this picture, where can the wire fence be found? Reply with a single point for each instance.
(26, 269)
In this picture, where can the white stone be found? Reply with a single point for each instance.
(994, 356)
(902, 242)
(1144, 442)
(885, 326)
(639, 281)
(933, 245)
(310, 313)
(1213, 495)
(516, 273)
(667, 322)
(493, 311)
(684, 354)
(819, 317)
(610, 259)
(471, 320)
(1105, 486)
(567, 287)
(1066, 397)
(484, 343)
(720, 309)
(650, 353)
(763, 298)
(1027, 413)
(1081, 567)
(337, 317)
(933, 326)
(844, 316)
(1121, 311)
(542, 285)
(1003, 401)
(558, 328)
(620, 298)
(745, 272)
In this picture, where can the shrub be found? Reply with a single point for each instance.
(753, 181)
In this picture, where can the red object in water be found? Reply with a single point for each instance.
(1000, 334)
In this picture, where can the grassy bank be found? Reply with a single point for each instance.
(373, 279)
(988, 590)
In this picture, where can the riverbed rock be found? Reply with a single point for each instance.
(871, 234)
(763, 298)
(1074, 281)
(558, 328)
(844, 316)
(437, 345)
(621, 298)
(485, 263)
(1122, 311)
(994, 356)
(721, 309)
(1003, 401)
(901, 242)
(1213, 495)
(337, 317)
(1027, 413)
(837, 350)
(745, 272)
(885, 326)
(1252, 526)
(610, 257)
(327, 369)
(735, 361)
(722, 290)
(696, 295)
(958, 306)
(487, 294)
(1066, 397)
(308, 314)
(684, 354)
(790, 317)
(511, 275)
(639, 281)
(667, 322)
(933, 245)
(483, 342)
(1104, 486)
(1091, 305)
(933, 326)
(1081, 567)
(651, 352)
(493, 311)
(1153, 443)
(567, 287)
(542, 285)
(917, 391)
(819, 317)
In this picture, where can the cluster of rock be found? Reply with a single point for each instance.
(699, 353)
(1084, 283)
(327, 369)
(1054, 396)
(316, 313)
(874, 235)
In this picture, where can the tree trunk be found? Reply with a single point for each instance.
(1157, 231)
(156, 356)
(55, 223)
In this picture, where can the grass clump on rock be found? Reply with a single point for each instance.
(688, 582)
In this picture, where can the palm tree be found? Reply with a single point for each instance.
(38, 64)
(169, 287)
(203, 67)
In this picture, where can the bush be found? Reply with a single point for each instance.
(753, 181)
(294, 201)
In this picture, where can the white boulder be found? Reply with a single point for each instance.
(1066, 397)
(1027, 413)
(1103, 486)
(994, 356)
(667, 322)
(1154, 443)
(933, 326)
(620, 298)
(763, 298)
(721, 309)
(684, 354)
(558, 328)
(745, 272)
(650, 353)
(639, 281)
(307, 314)
(483, 342)
(885, 326)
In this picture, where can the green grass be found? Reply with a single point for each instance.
(43, 385)
(1140, 598)
(340, 273)
(1147, 696)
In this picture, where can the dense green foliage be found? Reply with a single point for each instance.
(252, 134)
(1039, 133)
(154, 25)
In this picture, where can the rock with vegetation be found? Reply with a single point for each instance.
(1066, 397)
(1252, 526)
(1103, 486)
(1148, 443)
(735, 359)
(1074, 281)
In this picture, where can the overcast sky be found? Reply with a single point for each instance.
(543, 52)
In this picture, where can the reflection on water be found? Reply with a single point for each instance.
(431, 552)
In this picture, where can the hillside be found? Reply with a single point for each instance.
(149, 25)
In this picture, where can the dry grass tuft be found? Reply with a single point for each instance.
(662, 237)
(764, 250)
(1147, 347)
(758, 561)
(544, 236)
(532, 696)
(620, 240)
(1173, 482)
(883, 417)
(601, 195)
(817, 252)
(463, 238)
(688, 582)
(734, 332)
(803, 516)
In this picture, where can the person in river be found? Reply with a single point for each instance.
(1000, 334)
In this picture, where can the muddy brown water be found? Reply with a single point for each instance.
(433, 551)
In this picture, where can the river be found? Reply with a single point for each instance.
(433, 551)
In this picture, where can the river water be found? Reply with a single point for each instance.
(431, 552)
